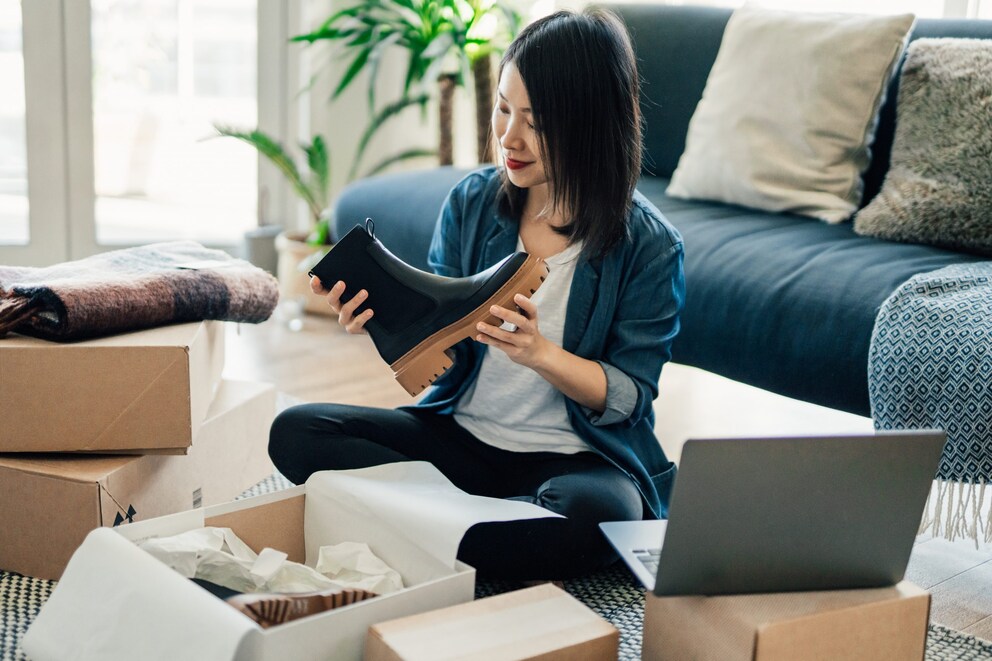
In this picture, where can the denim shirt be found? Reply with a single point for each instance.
(623, 312)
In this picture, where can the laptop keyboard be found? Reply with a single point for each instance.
(649, 558)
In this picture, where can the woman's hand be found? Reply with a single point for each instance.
(345, 311)
(525, 346)
(579, 379)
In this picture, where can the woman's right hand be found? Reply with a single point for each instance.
(345, 311)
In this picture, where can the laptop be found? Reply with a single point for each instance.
(786, 514)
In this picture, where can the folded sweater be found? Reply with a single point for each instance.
(131, 289)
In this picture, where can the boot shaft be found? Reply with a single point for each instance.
(353, 260)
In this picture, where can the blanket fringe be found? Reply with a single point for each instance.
(958, 509)
(13, 310)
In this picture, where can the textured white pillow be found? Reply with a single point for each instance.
(788, 111)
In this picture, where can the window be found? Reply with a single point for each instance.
(164, 71)
(106, 121)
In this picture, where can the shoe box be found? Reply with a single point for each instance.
(49, 502)
(137, 393)
(880, 624)
(542, 622)
(145, 610)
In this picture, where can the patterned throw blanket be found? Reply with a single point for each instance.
(132, 289)
(930, 366)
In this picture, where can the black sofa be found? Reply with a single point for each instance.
(781, 302)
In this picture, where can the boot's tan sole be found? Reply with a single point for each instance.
(422, 365)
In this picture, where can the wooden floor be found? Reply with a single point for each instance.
(321, 362)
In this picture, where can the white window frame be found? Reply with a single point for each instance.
(44, 91)
(289, 119)
(59, 124)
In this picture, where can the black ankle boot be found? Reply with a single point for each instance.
(419, 315)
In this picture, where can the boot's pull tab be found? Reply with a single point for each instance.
(370, 227)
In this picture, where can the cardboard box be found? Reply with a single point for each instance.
(138, 393)
(147, 611)
(840, 625)
(48, 503)
(542, 622)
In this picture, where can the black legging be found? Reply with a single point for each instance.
(582, 487)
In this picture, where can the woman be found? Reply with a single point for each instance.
(557, 412)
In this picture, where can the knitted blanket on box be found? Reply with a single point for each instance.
(132, 289)
(930, 366)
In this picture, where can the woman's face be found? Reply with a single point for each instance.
(513, 128)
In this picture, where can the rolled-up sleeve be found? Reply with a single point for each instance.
(640, 338)
(621, 397)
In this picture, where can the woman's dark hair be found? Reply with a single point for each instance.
(581, 77)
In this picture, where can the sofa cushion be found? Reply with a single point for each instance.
(881, 148)
(676, 46)
(788, 111)
(784, 302)
(939, 187)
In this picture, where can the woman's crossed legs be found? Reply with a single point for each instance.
(584, 488)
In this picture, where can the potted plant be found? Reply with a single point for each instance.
(298, 251)
(444, 39)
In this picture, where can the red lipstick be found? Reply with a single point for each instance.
(516, 165)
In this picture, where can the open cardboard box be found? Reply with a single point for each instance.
(48, 503)
(145, 392)
(117, 602)
(880, 624)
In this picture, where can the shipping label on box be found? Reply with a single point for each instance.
(137, 393)
(879, 624)
(48, 503)
(150, 612)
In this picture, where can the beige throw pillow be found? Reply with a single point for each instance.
(938, 189)
(788, 111)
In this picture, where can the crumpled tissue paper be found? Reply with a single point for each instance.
(219, 556)
(354, 564)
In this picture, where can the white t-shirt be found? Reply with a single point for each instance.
(512, 407)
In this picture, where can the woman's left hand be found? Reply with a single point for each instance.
(525, 346)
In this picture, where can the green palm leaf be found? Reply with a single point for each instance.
(277, 155)
(378, 120)
(402, 156)
(375, 58)
(353, 70)
(319, 162)
(326, 29)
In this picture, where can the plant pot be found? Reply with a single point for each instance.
(260, 247)
(294, 283)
